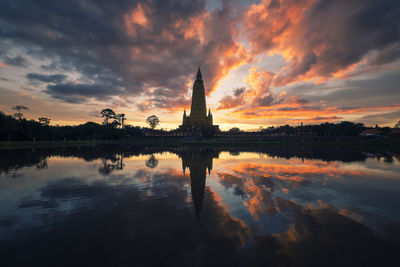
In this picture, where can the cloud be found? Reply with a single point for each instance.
(78, 93)
(54, 78)
(140, 45)
(265, 100)
(320, 39)
(238, 91)
(381, 118)
(381, 88)
(17, 61)
(237, 100)
(228, 102)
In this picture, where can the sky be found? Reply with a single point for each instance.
(264, 63)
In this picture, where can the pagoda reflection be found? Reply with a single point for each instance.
(199, 162)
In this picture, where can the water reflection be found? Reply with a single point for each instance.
(152, 162)
(113, 162)
(199, 206)
(199, 161)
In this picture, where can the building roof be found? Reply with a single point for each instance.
(371, 132)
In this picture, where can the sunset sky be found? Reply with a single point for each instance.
(264, 63)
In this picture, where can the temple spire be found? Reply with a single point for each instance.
(199, 76)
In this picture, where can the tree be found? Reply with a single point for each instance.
(18, 115)
(397, 125)
(234, 130)
(153, 121)
(107, 114)
(44, 121)
(121, 119)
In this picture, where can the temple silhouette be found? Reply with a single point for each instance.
(199, 162)
(198, 121)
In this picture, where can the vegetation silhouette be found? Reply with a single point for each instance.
(111, 163)
(152, 162)
(113, 127)
(152, 121)
(19, 115)
(44, 121)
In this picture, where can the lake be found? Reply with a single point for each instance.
(199, 206)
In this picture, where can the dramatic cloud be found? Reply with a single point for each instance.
(322, 38)
(144, 54)
(141, 44)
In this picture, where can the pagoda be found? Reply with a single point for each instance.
(198, 120)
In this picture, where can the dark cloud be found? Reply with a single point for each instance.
(274, 4)
(383, 89)
(238, 91)
(296, 68)
(351, 29)
(103, 38)
(17, 61)
(228, 102)
(77, 93)
(54, 78)
(265, 101)
(302, 101)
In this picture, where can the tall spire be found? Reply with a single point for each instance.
(199, 76)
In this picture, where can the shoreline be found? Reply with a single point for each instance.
(217, 141)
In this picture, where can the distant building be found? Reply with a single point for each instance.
(371, 133)
(198, 120)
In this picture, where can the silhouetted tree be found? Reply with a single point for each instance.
(234, 130)
(107, 114)
(121, 119)
(153, 121)
(397, 124)
(44, 121)
(18, 115)
(114, 124)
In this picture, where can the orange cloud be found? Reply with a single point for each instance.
(207, 38)
(136, 18)
(318, 39)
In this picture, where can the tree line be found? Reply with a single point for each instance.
(16, 127)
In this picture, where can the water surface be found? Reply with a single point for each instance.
(193, 206)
